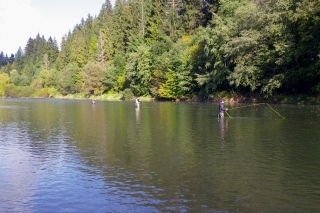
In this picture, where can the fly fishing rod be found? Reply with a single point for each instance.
(251, 105)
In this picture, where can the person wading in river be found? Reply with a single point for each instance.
(222, 109)
(137, 102)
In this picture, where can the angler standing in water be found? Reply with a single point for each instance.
(222, 109)
(137, 102)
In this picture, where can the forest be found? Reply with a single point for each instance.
(175, 50)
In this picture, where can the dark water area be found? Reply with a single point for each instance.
(72, 156)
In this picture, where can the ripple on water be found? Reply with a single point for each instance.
(178, 159)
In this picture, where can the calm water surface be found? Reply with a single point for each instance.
(71, 156)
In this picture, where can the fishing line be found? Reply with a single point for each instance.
(228, 114)
(245, 106)
(276, 111)
(256, 105)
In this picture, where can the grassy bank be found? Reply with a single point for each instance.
(104, 97)
(12, 91)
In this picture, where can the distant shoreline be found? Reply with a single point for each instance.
(281, 99)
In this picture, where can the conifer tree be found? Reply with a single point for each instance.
(18, 63)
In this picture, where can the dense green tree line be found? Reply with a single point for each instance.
(4, 59)
(176, 49)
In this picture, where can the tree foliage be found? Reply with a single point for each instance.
(93, 79)
(179, 48)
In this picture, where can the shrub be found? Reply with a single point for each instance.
(128, 94)
(13, 91)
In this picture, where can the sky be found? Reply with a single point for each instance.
(22, 19)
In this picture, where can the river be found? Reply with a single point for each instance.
(72, 156)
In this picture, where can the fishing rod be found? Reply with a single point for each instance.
(246, 106)
(251, 105)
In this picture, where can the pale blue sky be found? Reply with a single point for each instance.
(22, 19)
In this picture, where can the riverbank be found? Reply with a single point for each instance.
(104, 97)
(257, 98)
(227, 97)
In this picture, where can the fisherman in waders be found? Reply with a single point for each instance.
(222, 109)
(137, 102)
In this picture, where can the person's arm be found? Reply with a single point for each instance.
(224, 108)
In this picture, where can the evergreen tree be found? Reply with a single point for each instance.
(18, 63)
(93, 77)
(139, 70)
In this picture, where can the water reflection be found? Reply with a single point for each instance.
(70, 156)
(18, 179)
(137, 114)
(223, 127)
